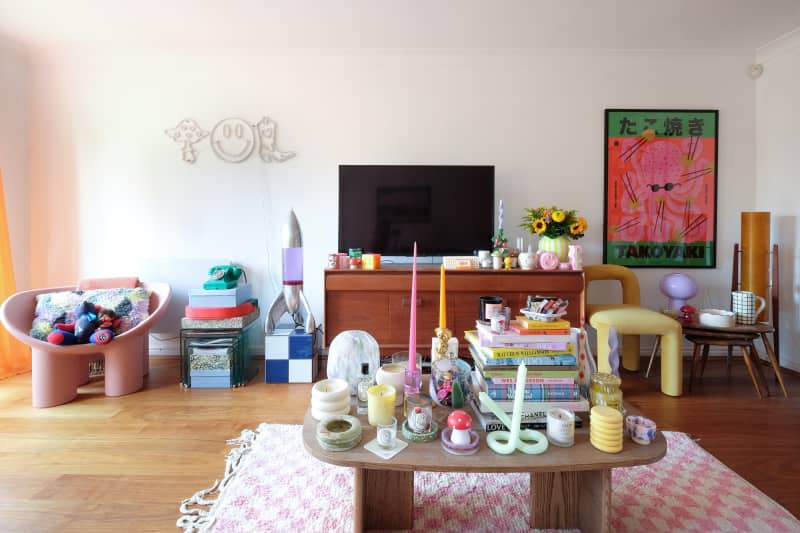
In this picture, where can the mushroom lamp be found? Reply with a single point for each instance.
(678, 288)
(460, 422)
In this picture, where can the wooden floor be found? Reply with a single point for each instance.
(124, 464)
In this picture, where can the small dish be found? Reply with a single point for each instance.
(717, 318)
(641, 430)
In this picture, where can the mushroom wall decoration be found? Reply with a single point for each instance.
(187, 132)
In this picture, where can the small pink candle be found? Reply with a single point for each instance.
(412, 333)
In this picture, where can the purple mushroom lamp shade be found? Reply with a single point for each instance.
(678, 288)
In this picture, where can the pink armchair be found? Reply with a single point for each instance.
(58, 371)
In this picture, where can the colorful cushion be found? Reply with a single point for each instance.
(132, 306)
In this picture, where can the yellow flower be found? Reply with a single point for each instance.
(558, 216)
(578, 227)
(539, 226)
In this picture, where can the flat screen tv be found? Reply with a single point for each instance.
(446, 209)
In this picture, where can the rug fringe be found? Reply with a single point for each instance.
(196, 511)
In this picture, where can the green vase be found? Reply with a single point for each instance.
(557, 245)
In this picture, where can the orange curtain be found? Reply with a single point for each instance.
(15, 357)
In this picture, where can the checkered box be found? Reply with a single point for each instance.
(291, 356)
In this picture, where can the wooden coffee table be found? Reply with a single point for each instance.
(570, 487)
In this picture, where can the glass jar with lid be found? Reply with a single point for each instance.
(605, 390)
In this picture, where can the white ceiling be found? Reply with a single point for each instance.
(600, 24)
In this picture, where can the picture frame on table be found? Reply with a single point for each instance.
(660, 201)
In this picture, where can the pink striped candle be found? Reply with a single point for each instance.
(412, 330)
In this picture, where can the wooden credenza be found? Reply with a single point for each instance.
(377, 301)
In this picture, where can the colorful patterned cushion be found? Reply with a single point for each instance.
(131, 305)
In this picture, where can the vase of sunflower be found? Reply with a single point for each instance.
(555, 228)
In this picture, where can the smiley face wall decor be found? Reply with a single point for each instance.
(232, 139)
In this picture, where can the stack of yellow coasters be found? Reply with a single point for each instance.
(605, 429)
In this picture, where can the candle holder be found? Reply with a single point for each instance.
(443, 335)
(419, 425)
(413, 381)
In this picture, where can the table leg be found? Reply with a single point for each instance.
(384, 499)
(695, 355)
(729, 359)
(594, 501)
(749, 363)
(759, 367)
(554, 500)
(706, 348)
(569, 500)
(774, 360)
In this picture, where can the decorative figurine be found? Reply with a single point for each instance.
(687, 314)
(419, 426)
(292, 296)
(444, 345)
(459, 438)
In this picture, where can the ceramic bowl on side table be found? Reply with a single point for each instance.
(717, 318)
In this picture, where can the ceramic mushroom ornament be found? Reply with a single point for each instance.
(460, 422)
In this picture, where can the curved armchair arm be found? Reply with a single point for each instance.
(631, 294)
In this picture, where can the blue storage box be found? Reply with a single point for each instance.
(301, 344)
(291, 356)
(220, 297)
(210, 379)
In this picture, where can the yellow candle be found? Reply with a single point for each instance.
(442, 300)
(380, 404)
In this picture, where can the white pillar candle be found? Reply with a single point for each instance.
(392, 374)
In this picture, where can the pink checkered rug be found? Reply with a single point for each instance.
(272, 484)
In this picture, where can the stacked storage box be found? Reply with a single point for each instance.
(291, 355)
(214, 351)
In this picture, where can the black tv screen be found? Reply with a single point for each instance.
(447, 210)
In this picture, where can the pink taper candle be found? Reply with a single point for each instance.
(412, 330)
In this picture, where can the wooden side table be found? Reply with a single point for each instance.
(742, 336)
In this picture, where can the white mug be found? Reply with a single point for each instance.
(743, 303)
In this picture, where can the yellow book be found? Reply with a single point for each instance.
(528, 323)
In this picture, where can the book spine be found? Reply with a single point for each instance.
(568, 392)
(549, 360)
(498, 380)
(484, 361)
(499, 426)
(534, 342)
(524, 332)
(536, 408)
(538, 324)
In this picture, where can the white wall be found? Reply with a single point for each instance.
(115, 196)
(778, 115)
(14, 132)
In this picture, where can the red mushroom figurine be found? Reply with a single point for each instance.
(460, 422)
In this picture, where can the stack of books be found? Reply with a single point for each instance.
(547, 349)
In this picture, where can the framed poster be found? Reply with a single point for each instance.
(660, 188)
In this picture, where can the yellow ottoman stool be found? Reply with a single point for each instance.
(641, 321)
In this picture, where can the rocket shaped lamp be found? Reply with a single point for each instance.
(292, 296)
